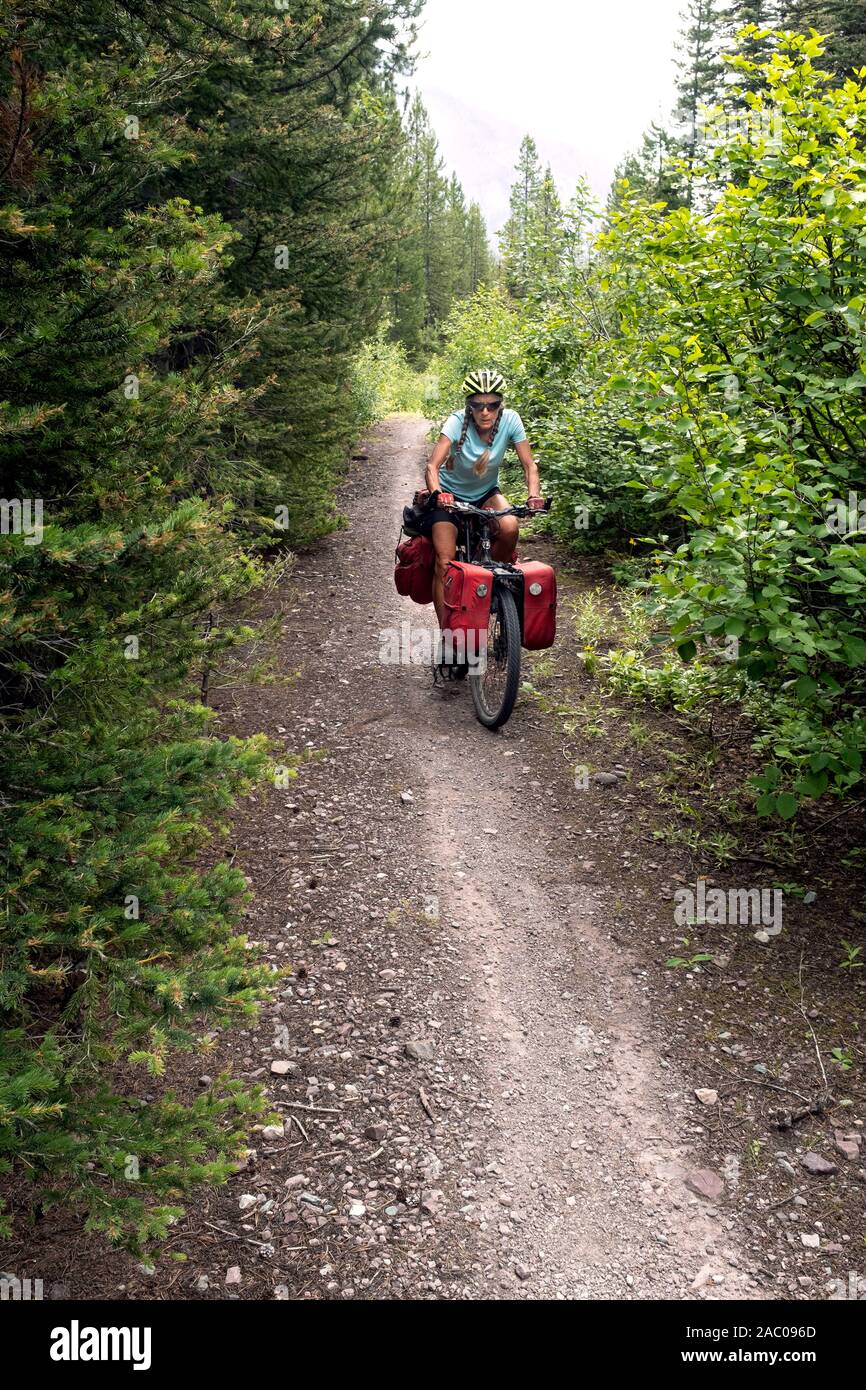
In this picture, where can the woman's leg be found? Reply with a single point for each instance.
(502, 548)
(444, 537)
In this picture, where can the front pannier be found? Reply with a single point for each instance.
(467, 594)
(539, 604)
(413, 571)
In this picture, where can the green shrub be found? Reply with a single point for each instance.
(383, 381)
(748, 403)
(694, 381)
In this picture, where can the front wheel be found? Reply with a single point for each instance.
(495, 690)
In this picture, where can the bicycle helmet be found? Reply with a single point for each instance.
(484, 381)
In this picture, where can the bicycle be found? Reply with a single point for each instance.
(494, 687)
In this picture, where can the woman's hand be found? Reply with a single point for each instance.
(535, 504)
(445, 499)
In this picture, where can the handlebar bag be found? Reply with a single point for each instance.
(413, 570)
(539, 604)
(414, 515)
(467, 593)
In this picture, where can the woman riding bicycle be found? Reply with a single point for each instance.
(471, 448)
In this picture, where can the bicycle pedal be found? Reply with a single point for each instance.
(445, 673)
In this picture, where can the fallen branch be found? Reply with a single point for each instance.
(233, 1235)
(808, 1023)
(766, 1085)
(786, 1119)
(294, 1118)
(296, 1105)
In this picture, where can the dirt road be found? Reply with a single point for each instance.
(477, 1099)
(537, 1146)
(488, 1083)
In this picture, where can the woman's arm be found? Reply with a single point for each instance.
(530, 468)
(441, 450)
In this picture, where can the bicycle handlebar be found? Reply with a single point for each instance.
(485, 513)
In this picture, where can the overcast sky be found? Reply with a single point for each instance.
(584, 78)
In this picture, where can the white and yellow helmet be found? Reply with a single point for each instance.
(484, 382)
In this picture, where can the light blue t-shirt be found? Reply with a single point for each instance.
(461, 479)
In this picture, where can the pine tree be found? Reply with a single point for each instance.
(548, 210)
(431, 193)
(701, 74)
(515, 236)
(480, 261)
(191, 248)
(433, 215)
(755, 48)
(301, 163)
(457, 247)
(845, 23)
(442, 252)
(545, 230)
(407, 299)
(652, 172)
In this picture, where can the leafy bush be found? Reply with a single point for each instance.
(669, 683)
(383, 381)
(695, 381)
(482, 330)
(748, 403)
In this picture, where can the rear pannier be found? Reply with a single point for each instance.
(539, 604)
(413, 571)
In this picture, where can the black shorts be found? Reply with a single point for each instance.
(429, 519)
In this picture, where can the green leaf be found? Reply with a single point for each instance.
(813, 784)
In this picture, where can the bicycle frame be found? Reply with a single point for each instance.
(493, 705)
(474, 525)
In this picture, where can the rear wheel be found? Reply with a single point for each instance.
(494, 691)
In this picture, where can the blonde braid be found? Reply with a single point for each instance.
(483, 461)
(481, 464)
(450, 461)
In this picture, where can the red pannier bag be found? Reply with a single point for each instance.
(539, 604)
(413, 572)
(467, 594)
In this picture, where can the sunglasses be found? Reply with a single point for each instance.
(478, 406)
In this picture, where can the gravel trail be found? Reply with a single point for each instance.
(481, 1083)
(558, 1170)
